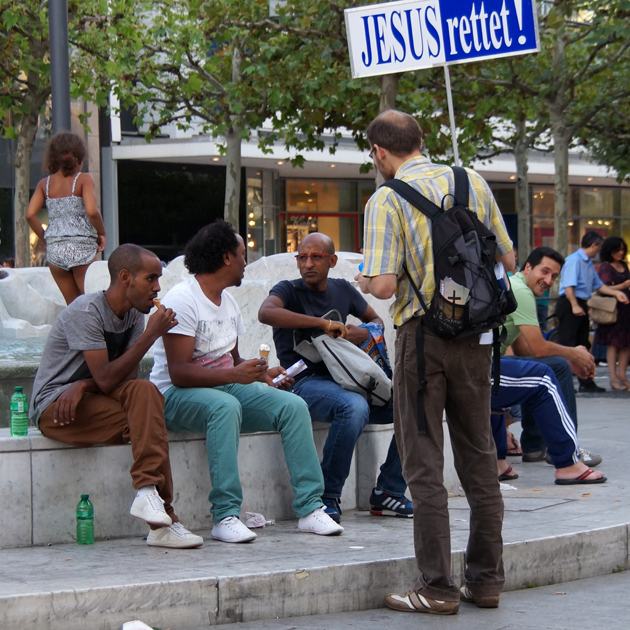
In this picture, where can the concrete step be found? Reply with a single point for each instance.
(284, 573)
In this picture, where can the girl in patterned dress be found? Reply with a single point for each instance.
(75, 231)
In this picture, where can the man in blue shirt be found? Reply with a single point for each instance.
(578, 280)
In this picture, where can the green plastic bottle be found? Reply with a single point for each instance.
(85, 521)
(19, 413)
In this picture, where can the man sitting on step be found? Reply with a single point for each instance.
(538, 274)
(209, 388)
(347, 412)
(535, 384)
(86, 391)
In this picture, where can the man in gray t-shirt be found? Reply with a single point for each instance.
(86, 391)
(87, 324)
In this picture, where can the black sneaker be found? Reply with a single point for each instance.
(332, 508)
(535, 456)
(590, 388)
(385, 505)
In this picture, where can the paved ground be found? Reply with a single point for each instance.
(535, 509)
(597, 603)
(370, 549)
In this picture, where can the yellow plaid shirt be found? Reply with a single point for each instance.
(396, 233)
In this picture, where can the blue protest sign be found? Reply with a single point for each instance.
(413, 34)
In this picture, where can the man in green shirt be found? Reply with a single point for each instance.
(526, 342)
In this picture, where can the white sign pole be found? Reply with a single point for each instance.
(451, 114)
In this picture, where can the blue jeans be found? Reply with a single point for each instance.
(534, 384)
(347, 413)
(531, 439)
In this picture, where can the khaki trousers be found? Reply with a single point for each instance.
(458, 381)
(134, 412)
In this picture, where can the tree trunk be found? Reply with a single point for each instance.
(522, 191)
(561, 140)
(389, 91)
(233, 142)
(22, 164)
(233, 176)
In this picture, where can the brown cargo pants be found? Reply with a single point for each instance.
(134, 412)
(458, 377)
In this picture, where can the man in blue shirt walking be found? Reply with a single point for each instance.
(578, 280)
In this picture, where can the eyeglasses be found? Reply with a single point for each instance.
(371, 153)
(316, 258)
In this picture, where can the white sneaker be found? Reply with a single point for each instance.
(150, 508)
(318, 522)
(176, 536)
(231, 530)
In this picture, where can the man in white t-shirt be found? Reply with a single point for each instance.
(209, 388)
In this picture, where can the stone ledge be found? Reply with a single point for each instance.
(222, 596)
(43, 480)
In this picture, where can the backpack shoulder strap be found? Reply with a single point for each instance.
(461, 186)
(416, 199)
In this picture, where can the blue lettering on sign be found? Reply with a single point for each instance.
(452, 31)
(389, 37)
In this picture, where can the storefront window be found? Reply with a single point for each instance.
(599, 212)
(602, 210)
(542, 216)
(332, 207)
(261, 211)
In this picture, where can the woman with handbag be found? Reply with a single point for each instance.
(614, 272)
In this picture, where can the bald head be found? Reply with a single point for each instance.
(324, 242)
(397, 132)
(129, 257)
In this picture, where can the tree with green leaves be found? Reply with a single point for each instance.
(24, 91)
(590, 42)
(577, 77)
(25, 83)
(227, 69)
(607, 137)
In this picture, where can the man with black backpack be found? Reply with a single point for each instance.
(448, 296)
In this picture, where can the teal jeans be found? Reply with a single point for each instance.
(222, 413)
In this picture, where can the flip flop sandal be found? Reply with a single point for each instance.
(505, 476)
(514, 449)
(618, 386)
(582, 479)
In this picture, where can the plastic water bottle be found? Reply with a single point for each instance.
(85, 521)
(19, 413)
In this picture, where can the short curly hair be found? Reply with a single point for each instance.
(612, 245)
(64, 152)
(205, 251)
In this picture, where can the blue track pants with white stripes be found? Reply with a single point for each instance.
(536, 384)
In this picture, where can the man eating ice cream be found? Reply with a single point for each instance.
(209, 388)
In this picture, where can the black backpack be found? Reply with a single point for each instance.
(468, 298)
